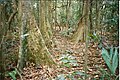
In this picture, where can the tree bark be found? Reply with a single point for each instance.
(68, 13)
(3, 30)
(80, 31)
(44, 24)
(97, 20)
(37, 45)
(23, 16)
(86, 27)
(90, 17)
(37, 38)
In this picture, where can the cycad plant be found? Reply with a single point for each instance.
(111, 58)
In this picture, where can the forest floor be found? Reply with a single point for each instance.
(70, 62)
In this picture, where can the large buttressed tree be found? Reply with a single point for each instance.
(33, 37)
(80, 31)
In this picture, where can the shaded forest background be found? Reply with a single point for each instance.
(59, 39)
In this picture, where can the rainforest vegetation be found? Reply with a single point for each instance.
(59, 39)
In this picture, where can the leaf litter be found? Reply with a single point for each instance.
(75, 52)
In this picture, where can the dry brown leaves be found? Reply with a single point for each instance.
(78, 51)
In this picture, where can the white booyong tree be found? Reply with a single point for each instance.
(33, 39)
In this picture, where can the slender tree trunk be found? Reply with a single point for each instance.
(55, 17)
(3, 30)
(86, 27)
(50, 13)
(63, 12)
(90, 17)
(68, 13)
(23, 16)
(97, 21)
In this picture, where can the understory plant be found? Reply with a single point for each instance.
(111, 59)
(71, 76)
(94, 37)
(69, 61)
(13, 74)
(106, 75)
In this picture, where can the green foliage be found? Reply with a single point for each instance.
(13, 74)
(76, 73)
(62, 18)
(105, 75)
(68, 60)
(71, 76)
(71, 23)
(111, 59)
(95, 37)
(111, 17)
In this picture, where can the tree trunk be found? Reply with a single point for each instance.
(80, 31)
(86, 27)
(78, 35)
(3, 30)
(37, 45)
(37, 38)
(50, 13)
(97, 21)
(63, 12)
(90, 17)
(68, 13)
(23, 16)
(48, 22)
(44, 24)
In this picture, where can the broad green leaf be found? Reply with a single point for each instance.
(111, 52)
(64, 60)
(106, 57)
(12, 75)
(115, 61)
